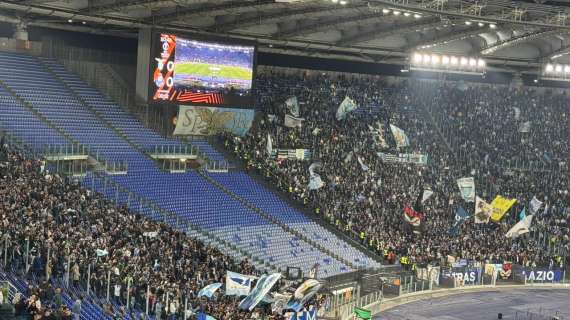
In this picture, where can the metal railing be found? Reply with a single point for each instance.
(121, 196)
(184, 150)
(217, 166)
(65, 150)
(346, 311)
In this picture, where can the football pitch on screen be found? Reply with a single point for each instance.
(213, 70)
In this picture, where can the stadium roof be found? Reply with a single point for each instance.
(506, 33)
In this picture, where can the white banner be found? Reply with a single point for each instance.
(418, 159)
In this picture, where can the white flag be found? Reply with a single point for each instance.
(525, 127)
(467, 188)
(483, 211)
(520, 228)
(315, 181)
(346, 106)
(293, 122)
(293, 106)
(535, 205)
(517, 113)
(427, 193)
(269, 145)
(399, 136)
(362, 165)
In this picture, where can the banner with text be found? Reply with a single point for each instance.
(206, 121)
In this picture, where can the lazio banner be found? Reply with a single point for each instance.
(500, 207)
(206, 121)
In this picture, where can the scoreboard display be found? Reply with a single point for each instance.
(190, 71)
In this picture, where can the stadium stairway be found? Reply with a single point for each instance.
(253, 194)
(271, 218)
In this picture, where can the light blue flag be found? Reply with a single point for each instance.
(522, 214)
(262, 287)
(203, 316)
(315, 181)
(209, 290)
(347, 105)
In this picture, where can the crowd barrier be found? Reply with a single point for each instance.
(432, 282)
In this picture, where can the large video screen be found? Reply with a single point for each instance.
(189, 71)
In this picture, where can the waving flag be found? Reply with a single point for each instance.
(315, 181)
(362, 165)
(525, 127)
(279, 302)
(237, 284)
(517, 112)
(520, 228)
(427, 194)
(292, 122)
(378, 135)
(535, 205)
(483, 211)
(209, 290)
(203, 316)
(264, 284)
(293, 106)
(269, 145)
(467, 188)
(460, 216)
(500, 207)
(347, 105)
(361, 313)
(399, 136)
(303, 294)
(522, 214)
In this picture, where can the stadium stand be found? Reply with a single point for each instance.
(83, 117)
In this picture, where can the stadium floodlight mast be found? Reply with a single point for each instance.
(435, 62)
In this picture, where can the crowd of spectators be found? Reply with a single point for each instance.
(368, 204)
(53, 229)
